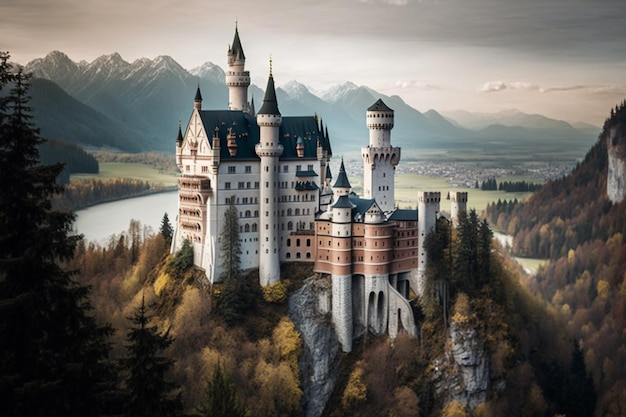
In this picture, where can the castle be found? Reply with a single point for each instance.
(277, 171)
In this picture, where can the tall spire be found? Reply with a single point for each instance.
(270, 105)
(179, 138)
(197, 100)
(236, 49)
(342, 178)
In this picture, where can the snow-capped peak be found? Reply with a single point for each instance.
(296, 90)
(209, 71)
(337, 92)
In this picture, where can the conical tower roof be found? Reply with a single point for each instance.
(270, 105)
(342, 178)
(237, 49)
(379, 106)
(198, 96)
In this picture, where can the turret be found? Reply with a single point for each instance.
(458, 205)
(179, 138)
(269, 150)
(237, 78)
(379, 157)
(341, 211)
(197, 100)
(427, 210)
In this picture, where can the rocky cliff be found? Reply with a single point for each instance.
(462, 374)
(309, 310)
(616, 178)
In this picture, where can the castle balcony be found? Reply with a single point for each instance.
(200, 185)
(191, 199)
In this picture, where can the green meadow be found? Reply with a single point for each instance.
(131, 170)
(408, 185)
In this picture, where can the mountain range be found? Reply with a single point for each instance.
(137, 106)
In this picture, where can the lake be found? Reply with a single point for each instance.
(98, 223)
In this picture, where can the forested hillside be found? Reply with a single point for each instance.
(572, 222)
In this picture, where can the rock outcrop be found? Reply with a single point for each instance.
(462, 374)
(309, 309)
(616, 177)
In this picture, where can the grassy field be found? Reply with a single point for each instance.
(111, 170)
(408, 185)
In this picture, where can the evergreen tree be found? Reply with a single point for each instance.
(53, 355)
(149, 391)
(221, 398)
(166, 228)
(235, 298)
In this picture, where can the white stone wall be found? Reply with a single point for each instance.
(342, 310)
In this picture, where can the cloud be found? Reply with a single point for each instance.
(498, 86)
(417, 85)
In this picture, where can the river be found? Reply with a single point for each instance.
(99, 222)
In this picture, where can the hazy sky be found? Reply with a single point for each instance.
(562, 58)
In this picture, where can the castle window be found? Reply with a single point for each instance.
(248, 213)
(248, 184)
(308, 255)
(240, 185)
(286, 168)
(289, 212)
(205, 169)
(298, 255)
(267, 184)
(297, 212)
(187, 168)
(308, 242)
(288, 242)
(248, 169)
(298, 242)
(232, 169)
(290, 226)
(310, 167)
(267, 169)
(227, 185)
(246, 228)
(256, 184)
(288, 255)
(253, 227)
(256, 213)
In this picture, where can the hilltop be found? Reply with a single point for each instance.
(572, 222)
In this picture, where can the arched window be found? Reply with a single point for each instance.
(290, 226)
(246, 228)
(289, 213)
(248, 213)
(288, 242)
(253, 227)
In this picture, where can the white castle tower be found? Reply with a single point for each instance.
(269, 150)
(458, 204)
(237, 78)
(342, 267)
(379, 157)
(427, 210)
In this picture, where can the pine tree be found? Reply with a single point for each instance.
(149, 391)
(235, 298)
(221, 398)
(166, 228)
(53, 355)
